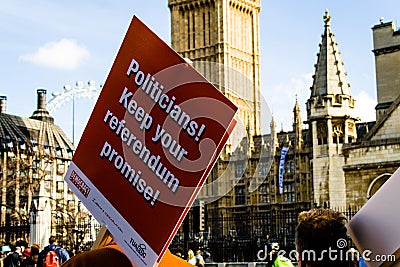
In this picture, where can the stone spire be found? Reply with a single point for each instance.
(297, 125)
(331, 118)
(274, 134)
(297, 116)
(330, 76)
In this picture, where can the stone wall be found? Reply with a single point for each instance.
(364, 163)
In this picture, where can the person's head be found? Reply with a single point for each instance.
(275, 247)
(34, 253)
(273, 250)
(321, 238)
(37, 246)
(190, 254)
(53, 240)
(198, 252)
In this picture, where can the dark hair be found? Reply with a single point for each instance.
(34, 251)
(319, 231)
(52, 239)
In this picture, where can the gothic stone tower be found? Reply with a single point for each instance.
(221, 37)
(331, 118)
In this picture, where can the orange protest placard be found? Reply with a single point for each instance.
(153, 136)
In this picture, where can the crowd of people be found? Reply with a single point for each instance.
(318, 230)
(196, 260)
(32, 256)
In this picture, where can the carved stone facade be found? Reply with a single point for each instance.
(387, 59)
(221, 38)
(336, 161)
(375, 156)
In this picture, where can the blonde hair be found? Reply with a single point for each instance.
(190, 254)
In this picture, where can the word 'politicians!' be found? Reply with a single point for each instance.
(154, 90)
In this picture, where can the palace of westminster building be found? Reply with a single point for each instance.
(330, 160)
(335, 161)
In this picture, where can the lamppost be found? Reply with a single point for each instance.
(70, 94)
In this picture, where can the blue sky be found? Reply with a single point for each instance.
(90, 32)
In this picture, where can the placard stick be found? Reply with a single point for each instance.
(104, 238)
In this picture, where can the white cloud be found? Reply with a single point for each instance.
(365, 106)
(64, 54)
(281, 99)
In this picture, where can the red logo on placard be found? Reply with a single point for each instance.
(79, 183)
